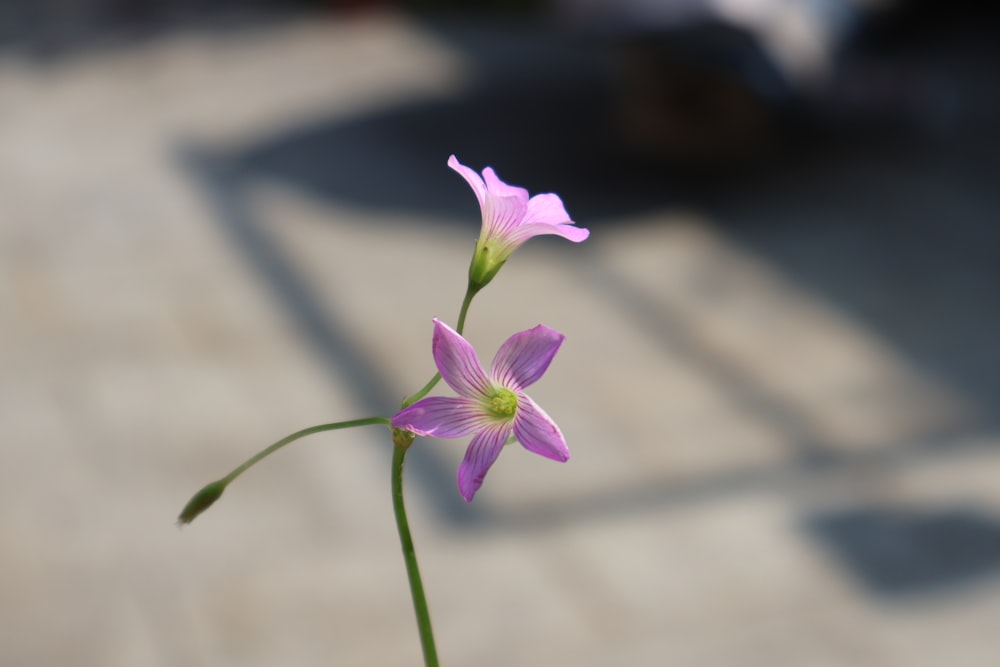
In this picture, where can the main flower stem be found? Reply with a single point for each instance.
(470, 292)
(401, 441)
(401, 444)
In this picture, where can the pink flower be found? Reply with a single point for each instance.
(491, 405)
(510, 218)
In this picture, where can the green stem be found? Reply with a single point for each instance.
(289, 439)
(401, 441)
(470, 292)
(409, 554)
(204, 499)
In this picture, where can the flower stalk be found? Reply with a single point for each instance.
(470, 293)
(210, 493)
(401, 444)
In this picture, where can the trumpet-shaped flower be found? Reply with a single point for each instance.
(510, 218)
(491, 405)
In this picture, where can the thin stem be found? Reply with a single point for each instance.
(410, 555)
(401, 441)
(289, 439)
(423, 391)
(209, 493)
(470, 292)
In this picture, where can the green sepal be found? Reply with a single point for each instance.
(487, 260)
(402, 438)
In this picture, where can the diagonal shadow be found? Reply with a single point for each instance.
(392, 160)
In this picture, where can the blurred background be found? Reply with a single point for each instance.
(221, 222)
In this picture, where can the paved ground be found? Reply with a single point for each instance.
(780, 389)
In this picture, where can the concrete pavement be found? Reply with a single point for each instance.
(781, 402)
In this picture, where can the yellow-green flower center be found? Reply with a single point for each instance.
(503, 403)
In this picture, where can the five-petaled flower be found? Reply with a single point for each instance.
(510, 218)
(491, 405)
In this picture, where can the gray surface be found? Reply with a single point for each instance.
(781, 397)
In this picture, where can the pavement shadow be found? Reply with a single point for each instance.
(899, 554)
(551, 128)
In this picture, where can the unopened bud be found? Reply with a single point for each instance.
(201, 501)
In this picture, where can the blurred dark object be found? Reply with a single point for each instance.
(693, 83)
(698, 95)
(894, 553)
(705, 82)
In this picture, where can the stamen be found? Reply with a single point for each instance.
(503, 403)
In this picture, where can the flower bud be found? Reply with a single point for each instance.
(201, 501)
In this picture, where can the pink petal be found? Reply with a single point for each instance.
(546, 215)
(473, 179)
(547, 208)
(502, 216)
(537, 433)
(524, 357)
(481, 454)
(441, 417)
(570, 232)
(457, 362)
(497, 187)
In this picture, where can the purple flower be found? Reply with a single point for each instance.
(510, 218)
(491, 405)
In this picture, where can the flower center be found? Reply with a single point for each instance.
(503, 403)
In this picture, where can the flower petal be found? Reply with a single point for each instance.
(497, 187)
(481, 454)
(457, 362)
(547, 208)
(567, 231)
(442, 417)
(473, 179)
(501, 218)
(545, 214)
(537, 433)
(524, 357)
